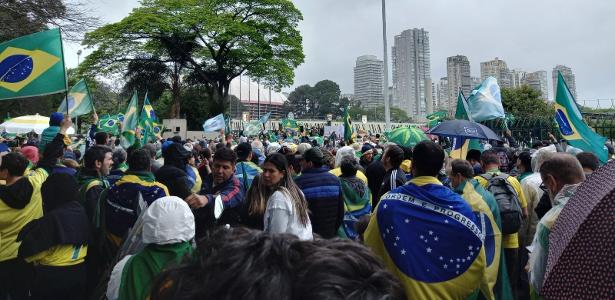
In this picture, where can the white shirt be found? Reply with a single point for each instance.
(281, 217)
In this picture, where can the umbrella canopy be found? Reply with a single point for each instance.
(464, 128)
(27, 124)
(406, 136)
(581, 261)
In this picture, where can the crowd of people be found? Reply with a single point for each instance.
(240, 218)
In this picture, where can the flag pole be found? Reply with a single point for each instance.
(65, 77)
(87, 88)
(387, 112)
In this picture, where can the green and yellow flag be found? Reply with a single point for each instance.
(79, 100)
(131, 120)
(436, 117)
(572, 126)
(110, 123)
(32, 65)
(348, 132)
(461, 145)
(147, 120)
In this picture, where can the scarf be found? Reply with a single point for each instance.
(141, 269)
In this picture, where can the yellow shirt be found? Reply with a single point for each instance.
(198, 182)
(60, 256)
(13, 220)
(509, 241)
(338, 172)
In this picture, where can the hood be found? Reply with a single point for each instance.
(59, 189)
(168, 220)
(176, 155)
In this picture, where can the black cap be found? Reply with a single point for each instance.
(243, 150)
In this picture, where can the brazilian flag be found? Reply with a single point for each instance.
(79, 100)
(110, 123)
(430, 239)
(147, 120)
(131, 120)
(495, 283)
(348, 132)
(571, 124)
(462, 145)
(32, 65)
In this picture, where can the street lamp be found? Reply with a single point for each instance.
(387, 112)
(78, 56)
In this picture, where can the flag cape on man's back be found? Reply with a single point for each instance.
(488, 217)
(572, 126)
(428, 236)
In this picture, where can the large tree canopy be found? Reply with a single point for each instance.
(526, 102)
(213, 40)
(22, 17)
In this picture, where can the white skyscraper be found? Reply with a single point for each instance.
(443, 94)
(411, 71)
(568, 77)
(496, 68)
(368, 81)
(517, 78)
(538, 81)
(458, 75)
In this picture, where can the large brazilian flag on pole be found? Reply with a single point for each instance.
(572, 126)
(32, 65)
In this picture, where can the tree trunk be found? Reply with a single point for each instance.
(176, 91)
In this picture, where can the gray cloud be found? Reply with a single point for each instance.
(528, 35)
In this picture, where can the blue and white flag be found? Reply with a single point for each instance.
(214, 124)
(252, 128)
(265, 118)
(485, 102)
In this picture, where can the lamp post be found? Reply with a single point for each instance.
(78, 56)
(387, 112)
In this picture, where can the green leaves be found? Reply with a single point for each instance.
(215, 40)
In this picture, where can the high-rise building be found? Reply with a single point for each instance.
(411, 71)
(458, 75)
(434, 96)
(517, 78)
(568, 77)
(496, 68)
(538, 81)
(475, 82)
(368, 81)
(443, 94)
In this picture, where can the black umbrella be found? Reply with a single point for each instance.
(464, 128)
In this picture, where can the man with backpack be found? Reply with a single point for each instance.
(508, 194)
(93, 183)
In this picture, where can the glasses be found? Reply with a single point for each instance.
(543, 187)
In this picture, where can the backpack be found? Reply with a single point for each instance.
(508, 202)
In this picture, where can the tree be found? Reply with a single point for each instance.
(149, 76)
(23, 17)
(215, 40)
(325, 98)
(298, 101)
(524, 101)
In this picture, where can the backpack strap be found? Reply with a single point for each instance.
(486, 176)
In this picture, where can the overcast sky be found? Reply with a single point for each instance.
(528, 35)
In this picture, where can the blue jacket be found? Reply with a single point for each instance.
(122, 200)
(323, 193)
